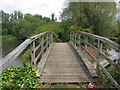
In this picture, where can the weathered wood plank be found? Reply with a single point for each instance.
(91, 69)
(64, 66)
(41, 64)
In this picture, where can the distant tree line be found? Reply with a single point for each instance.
(24, 25)
(94, 17)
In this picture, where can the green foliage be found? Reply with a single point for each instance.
(94, 17)
(26, 58)
(8, 37)
(105, 82)
(51, 27)
(116, 36)
(73, 28)
(20, 25)
(88, 30)
(55, 39)
(64, 85)
(114, 73)
(18, 77)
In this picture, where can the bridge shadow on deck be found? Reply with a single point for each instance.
(64, 66)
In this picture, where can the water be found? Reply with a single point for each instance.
(113, 52)
(8, 46)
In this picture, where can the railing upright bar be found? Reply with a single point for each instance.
(78, 39)
(98, 57)
(75, 39)
(70, 37)
(47, 40)
(42, 45)
(33, 55)
(51, 38)
(86, 40)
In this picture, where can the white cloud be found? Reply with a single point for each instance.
(42, 7)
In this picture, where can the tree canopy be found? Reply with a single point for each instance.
(100, 16)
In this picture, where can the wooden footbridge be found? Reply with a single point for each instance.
(65, 62)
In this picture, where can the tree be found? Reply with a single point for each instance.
(20, 15)
(52, 16)
(99, 15)
(15, 15)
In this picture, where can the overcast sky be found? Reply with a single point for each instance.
(42, 7)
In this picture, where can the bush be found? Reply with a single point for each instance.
(18, 77)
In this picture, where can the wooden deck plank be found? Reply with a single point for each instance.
(63, 66)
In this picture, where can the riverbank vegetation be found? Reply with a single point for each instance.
(18, 77)
(8, 37)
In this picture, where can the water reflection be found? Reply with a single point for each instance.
(7, 47)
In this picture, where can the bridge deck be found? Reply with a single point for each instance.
(64, 66)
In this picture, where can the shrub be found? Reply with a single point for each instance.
(16, 77)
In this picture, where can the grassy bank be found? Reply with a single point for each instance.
(8, 37)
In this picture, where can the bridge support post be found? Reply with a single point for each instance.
(42, 45)
(98, 57)
(79, 40)
(86, 39)
(70, 38)
(33, 54)
(75, 39)
(51, 38)
(47, 40)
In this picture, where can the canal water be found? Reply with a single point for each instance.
(8, 46)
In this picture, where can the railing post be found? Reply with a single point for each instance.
(75, 39)
(98, 57)
(51, 38)
(47, 37)
(42, 44)
(33, 54)
(70, 38)
(78, 39)
(86, 39)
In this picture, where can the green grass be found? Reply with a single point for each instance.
(64, 85)
(8, 37)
